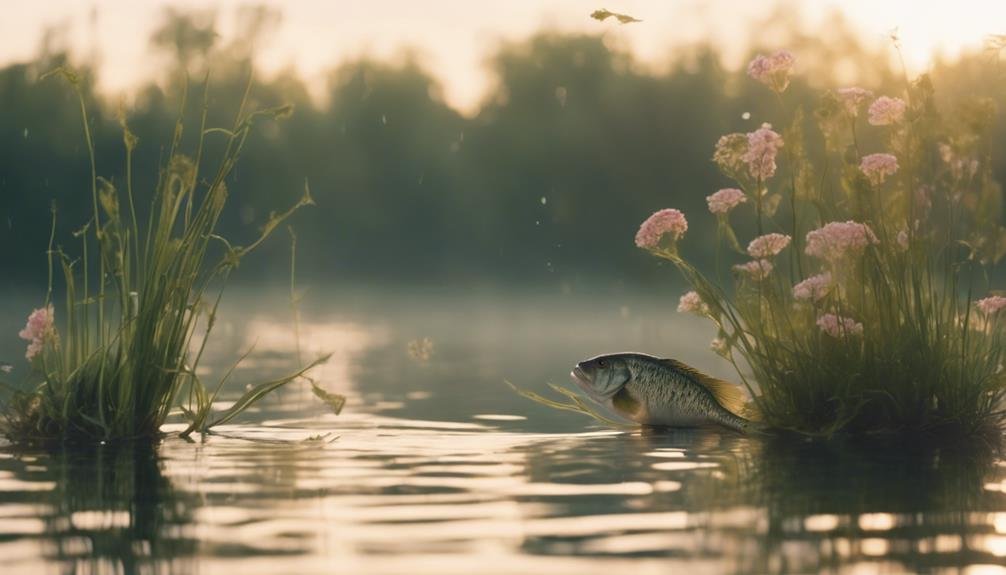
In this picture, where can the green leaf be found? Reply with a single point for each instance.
(261, 390)
(334, 401)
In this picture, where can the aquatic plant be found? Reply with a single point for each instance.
(864, 303)
(141, 301)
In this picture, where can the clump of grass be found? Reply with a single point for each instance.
(141, 301)
(866, 302)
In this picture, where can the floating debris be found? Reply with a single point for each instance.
(420, 350)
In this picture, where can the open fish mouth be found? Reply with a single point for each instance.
(580, 377)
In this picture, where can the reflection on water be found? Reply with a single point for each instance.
(392, 493)
(437, 469)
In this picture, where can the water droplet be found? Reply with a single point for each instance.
(746, 115)
(544, 200)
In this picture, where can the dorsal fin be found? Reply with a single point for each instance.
(726, 394)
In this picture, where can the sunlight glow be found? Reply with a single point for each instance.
(452, 37)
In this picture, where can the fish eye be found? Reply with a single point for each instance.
(602, 363)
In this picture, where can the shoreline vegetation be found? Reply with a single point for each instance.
(141, 298)
(865, 305)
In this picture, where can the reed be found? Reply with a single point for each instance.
(140, 302)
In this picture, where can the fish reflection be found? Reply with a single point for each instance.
(783, 505)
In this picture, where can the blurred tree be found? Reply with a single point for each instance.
(574, 145)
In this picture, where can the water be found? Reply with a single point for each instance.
(436, 467)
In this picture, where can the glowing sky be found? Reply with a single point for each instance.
(454, 36)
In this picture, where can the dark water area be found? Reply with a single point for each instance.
(435, 466)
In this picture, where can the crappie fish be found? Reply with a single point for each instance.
(654, 391)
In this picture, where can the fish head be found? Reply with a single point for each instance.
(602, 376)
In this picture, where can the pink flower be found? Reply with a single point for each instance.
(665, 222)
(813, 288)
(773, 70)
(837, 240)
(691, 302)
(729, 154)
(720, 346)
(768, 245)
(885, 111)
(763, 145)
(877, 167)
(725, 200)
(991, 305)
(838, 326)
(960, 167)
(902, 239)
(922, 201)
(756, 270)
(852, 99)
(946, 153)
(37, 330)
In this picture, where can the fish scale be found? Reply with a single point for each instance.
(656, 391)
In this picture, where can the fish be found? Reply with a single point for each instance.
(603, 14)
(662, 392)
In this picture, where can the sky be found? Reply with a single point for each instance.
(453, 37)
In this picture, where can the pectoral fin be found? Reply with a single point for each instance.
(624, 403)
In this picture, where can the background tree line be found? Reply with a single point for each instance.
(575, 144)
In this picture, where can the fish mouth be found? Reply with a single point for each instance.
(580, 377)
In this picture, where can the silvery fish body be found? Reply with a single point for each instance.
(654, 391)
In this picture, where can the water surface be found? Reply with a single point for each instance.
(436, 467)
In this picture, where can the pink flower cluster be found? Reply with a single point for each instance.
(992, 304)
(960, 167)
(37, 330)
(768, 245)
(756, 270)
(725, 200)
(885, 111)
(837, 240)
(877, 167)
(813, 288)
(730, 149)
(838, 326)
(691, 302)
(763, 145)
(853, 98)
(665, 222)
(773, 70)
